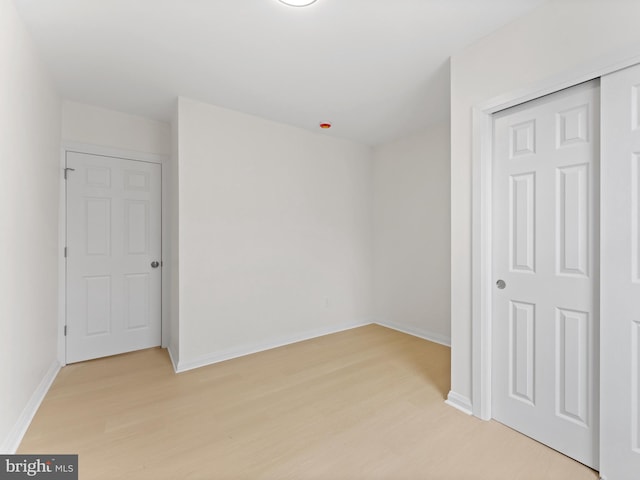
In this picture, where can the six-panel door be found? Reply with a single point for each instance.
(113, 236)
(545, 249)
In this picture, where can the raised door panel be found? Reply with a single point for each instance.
(523, 139)
(522, 352)
(572, 220)
(136, 227)
(635, 107)
(99, 177)
(98, 304)
(522, 229)
(97, 224)
(135, 180)
(635, 386)
(635, 217)
(572, 126)
(137, 300)
(572, 365)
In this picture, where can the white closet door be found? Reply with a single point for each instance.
(620, 301)
(113, 262)
(545, 250)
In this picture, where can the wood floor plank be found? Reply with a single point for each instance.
(366, 403)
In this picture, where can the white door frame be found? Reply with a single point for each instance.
(163, 161)
(481, 164)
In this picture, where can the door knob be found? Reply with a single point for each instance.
(155, 264)
(501, 284)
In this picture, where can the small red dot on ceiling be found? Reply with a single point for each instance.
(325, 125)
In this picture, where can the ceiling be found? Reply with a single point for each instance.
(376, 69)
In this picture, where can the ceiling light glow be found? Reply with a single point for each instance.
(297, 3)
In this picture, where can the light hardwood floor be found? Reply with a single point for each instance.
(367, 403)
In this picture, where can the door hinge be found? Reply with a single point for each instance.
(67, 170)
(65, 330)
(65, 252)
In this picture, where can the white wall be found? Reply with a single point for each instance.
(556, 38)
(88, 124)
(29, 250)
(412, 234)
(275, 233)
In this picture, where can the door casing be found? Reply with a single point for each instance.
(162, 160)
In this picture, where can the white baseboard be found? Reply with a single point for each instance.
(229, 354)
(460, 402)
(172, 358)
(418, 332)
(12, 442)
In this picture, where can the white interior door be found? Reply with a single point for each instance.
(620, 307)
(113, 236)
(545, 250)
